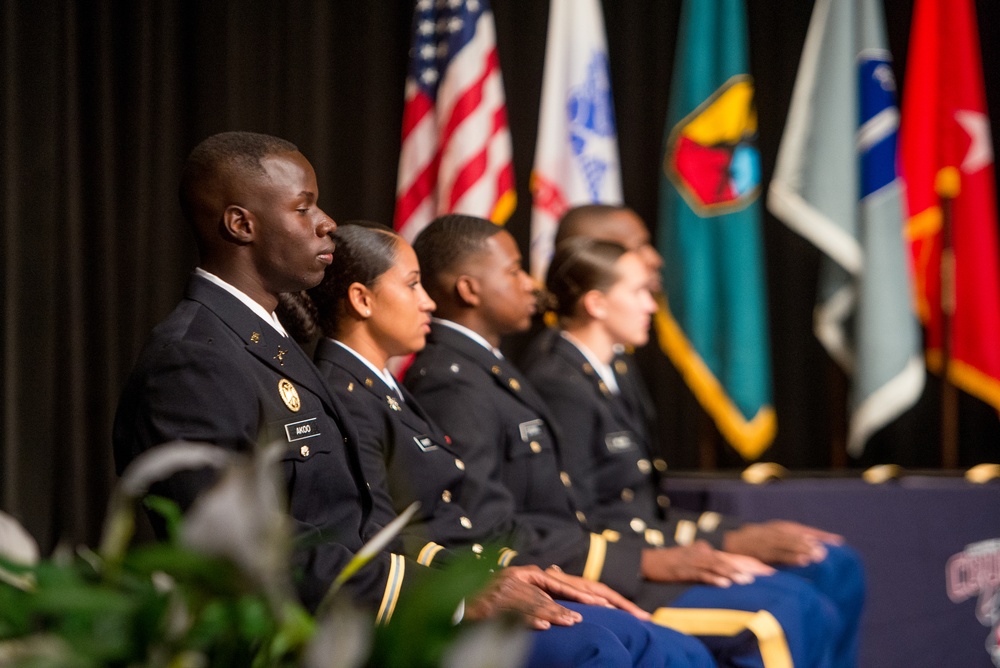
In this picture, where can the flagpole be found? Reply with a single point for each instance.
(947, 184)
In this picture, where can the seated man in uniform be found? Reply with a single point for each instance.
(472, 270)
(220, 369)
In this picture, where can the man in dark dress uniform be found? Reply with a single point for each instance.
(220, 369)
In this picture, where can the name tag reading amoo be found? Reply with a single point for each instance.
(531, 429)
(619, 441)
(296, 431)
(289, 395)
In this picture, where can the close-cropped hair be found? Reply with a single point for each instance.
(446, 243)
(578, 266)
(365, 251)
(575, 221)
(227, 153)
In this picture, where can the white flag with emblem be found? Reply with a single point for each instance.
(576, 154)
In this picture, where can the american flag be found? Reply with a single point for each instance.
(456, 150)
(576, 154)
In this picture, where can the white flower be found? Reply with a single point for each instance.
(18, 546)
(243, 518)
(155, 464)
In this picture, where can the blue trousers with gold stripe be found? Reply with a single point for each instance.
(841, 578)
(808, 620)
(608, 637)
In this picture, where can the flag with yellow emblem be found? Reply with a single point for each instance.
(713, 320)
(835, 183)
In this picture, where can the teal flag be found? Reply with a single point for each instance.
(713, 320)
(835, 183)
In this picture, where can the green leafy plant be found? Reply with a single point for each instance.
(218, 592)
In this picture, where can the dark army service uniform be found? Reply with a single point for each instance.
(406, 458)
(607, 448)
(607, 451)
(497, 426)
(214, 371)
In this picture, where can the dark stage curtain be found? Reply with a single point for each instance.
(102, 100)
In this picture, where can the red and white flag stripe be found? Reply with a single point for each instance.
(456, 151)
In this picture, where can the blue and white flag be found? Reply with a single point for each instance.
(835, 183)
(576, 154)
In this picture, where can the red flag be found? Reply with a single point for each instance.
(944, 124)
(456, 151)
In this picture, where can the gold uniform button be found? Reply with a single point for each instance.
(369, 382)
(496, 370)
(580, 516)
(660, 465)
(637, 525)
(477, 548)
(644, 465)
(627, 495)
(663, 501)
(304, 450)
(514, 385)
(459, 464)
(654, 537)
(565, 479)
(465, 522)
(535, 446)
(446, 496)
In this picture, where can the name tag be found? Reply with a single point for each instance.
(296, 431)
(531, 429)
(619, 441)
(424, 443)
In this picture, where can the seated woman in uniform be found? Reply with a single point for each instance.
(370, 307)
(601, 296)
